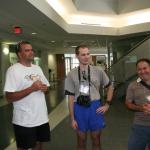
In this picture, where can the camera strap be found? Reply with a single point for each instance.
(89, 79)
(145, 84)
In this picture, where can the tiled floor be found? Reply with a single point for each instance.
(114, 136)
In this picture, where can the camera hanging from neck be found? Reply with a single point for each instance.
(84, 100)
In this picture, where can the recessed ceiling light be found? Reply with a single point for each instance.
(73, 46)
(33, 33)
(90, 24)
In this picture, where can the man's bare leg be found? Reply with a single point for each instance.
(81, 140)
(95, 137)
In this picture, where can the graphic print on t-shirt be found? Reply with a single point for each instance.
(33, 77)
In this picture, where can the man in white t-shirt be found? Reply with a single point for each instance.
(25, 86)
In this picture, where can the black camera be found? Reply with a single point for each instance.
(84, 100)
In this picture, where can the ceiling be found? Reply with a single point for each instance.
(53, 33)
(111, 6)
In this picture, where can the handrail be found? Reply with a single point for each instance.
(134, 47)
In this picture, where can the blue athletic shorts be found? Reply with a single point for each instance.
(87, 118)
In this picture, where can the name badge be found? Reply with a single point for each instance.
(148, 98)
(84, 89)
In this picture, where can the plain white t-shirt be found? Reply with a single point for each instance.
(31, 110)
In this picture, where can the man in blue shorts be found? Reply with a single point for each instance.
(82, 86)
(25, 87)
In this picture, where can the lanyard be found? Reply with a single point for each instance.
(89, 79)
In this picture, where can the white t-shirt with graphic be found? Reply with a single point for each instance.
(31, 110)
